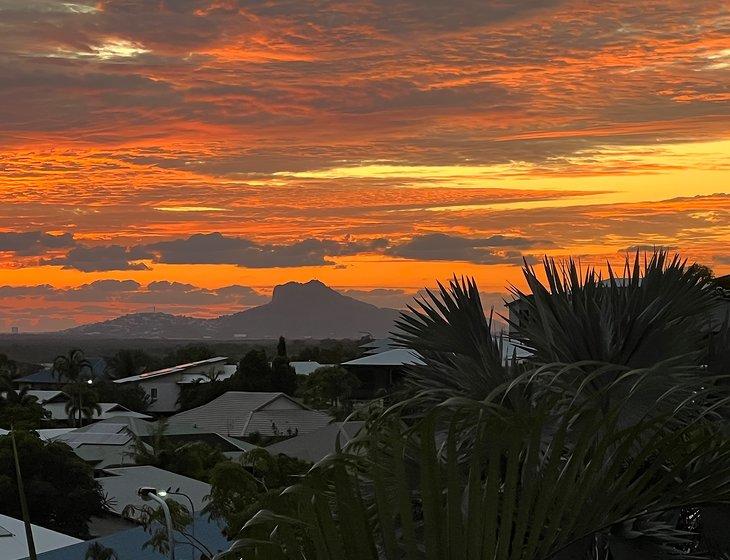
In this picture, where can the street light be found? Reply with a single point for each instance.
(148, 493)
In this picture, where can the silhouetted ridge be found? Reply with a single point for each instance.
(296, 310)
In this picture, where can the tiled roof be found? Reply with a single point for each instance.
(122, 484)
(228, 414)
(170, 370)
(283, 422)
(396, 357)
(13, 544)
(316, 445)
(130, 544)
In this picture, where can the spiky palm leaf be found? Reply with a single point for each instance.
(532, 486)
(653, 312)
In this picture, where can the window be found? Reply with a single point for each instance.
(153, 393)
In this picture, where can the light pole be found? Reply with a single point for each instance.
(192, 514)
(148, 493)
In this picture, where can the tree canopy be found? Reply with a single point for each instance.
(60, 488)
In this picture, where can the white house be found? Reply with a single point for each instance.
(163, 385)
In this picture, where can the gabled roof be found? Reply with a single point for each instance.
(393, 358)
(378, 345)
(170, 370)
(101, 433)
(316, 445)
(276, 422)
(130, 544)
(229, 414)
(13, 544)
(48, 396)
(57, 409)
(121, 485)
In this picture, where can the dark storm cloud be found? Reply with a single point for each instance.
(497, 249)
(215, 248)
(34, 243)
(100, 258)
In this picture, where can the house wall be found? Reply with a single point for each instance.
(168, 391)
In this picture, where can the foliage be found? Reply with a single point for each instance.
(83, 401)
(192, 459)
(131, 361)
(649, 314)
(74, 369)
(202, 391)
(18, 408)
(8, 367)
(97, 551)
(329, 387)
(240, 489)
(60, 488)
(186, 354)
(608, 443)
(73, 366)
(152, 519)
(129, 395)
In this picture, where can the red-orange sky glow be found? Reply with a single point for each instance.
(191, 154)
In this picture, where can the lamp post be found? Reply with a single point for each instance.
(192, 513)
(148, 493)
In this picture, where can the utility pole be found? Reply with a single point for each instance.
(23, 503)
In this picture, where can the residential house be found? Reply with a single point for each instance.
(316, 445)
(14, 545)
(47, 379)
(120, 485)
(382, 371)
(111, 443)
(243, 414)
(163, 386)
(130, 544)
(54, 402)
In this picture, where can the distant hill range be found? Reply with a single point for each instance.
(310, 310)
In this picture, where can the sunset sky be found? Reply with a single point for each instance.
(189, 155)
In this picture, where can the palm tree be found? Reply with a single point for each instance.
(98, 551)
(72, 366)
(608, 443)
(83, 402)
(75, 369)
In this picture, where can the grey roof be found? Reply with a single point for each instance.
(395, 357)
(48, 376)
(47, 396)
(101, 433)
(316, 445)
(378, 345)
(13, 545)
(229, 413)
(57, 410)
(122, 484)
(170, 370)
(130, 544)
(282, 422)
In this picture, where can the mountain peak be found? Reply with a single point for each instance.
(296, 291)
